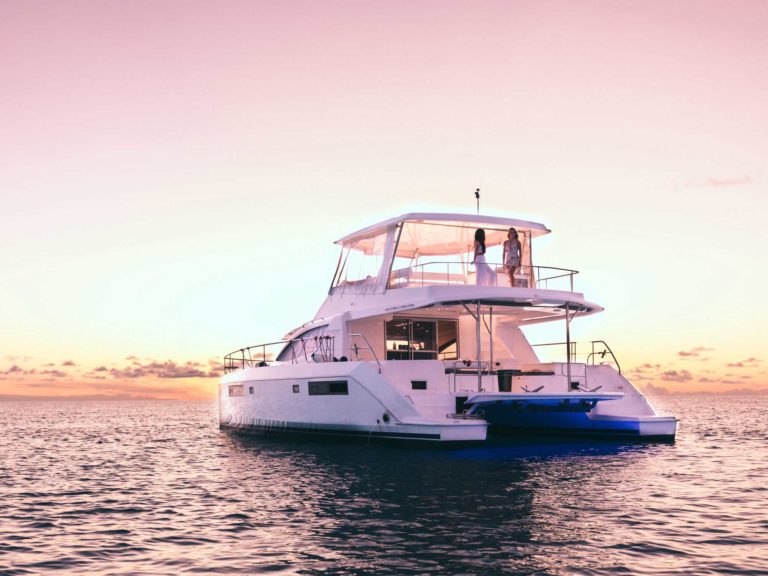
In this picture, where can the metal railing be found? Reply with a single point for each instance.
(459, 273)
(356, 349)
(470, 368)
(598, 349)
(320, 349)
(315, 349)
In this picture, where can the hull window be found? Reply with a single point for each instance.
(420, 339)
(333, 388)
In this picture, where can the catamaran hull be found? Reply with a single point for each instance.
(280, 400)
(571, 414)
(400, 433)
(662, 428)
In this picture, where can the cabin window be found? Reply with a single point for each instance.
(422, 339)
(236, 390)
(447, 339)
(418, 384)
(329, 388)
(250, 389)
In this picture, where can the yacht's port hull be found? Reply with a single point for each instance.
(430, 433)
(278, 399)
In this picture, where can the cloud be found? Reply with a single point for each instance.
(168, 370)
(720, 182)
(748, 363)
(694, 353)
(645, 369)
(54, 373)
(215, 368)
(645, 372)
(18, 371)
(68, 363)
(655, 390)
(676, 376)
(729, 182)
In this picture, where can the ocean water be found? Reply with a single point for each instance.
(156, 488)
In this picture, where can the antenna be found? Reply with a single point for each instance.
(477, 197)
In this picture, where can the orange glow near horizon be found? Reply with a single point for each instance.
(173, 176)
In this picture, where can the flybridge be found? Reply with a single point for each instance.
(421, 249)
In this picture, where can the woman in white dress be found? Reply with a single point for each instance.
(484, 275)
(513, 250)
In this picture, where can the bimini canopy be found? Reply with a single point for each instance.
(422, 242)
(436, 234)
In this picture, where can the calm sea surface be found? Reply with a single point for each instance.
(156, 488)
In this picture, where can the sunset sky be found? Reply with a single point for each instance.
(173, 174)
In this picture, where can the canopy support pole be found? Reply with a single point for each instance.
(568, 344)
(490, 332)
(477, 336)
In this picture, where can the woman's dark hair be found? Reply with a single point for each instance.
(480, 237)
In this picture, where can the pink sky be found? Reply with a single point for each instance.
(173, 174)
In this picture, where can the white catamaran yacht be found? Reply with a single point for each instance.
(408, 346)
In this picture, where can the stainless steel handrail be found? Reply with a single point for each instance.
(602, 353)
(533, 273)
(375, 357)
(244, 356)
(590, 359)
(484, 366)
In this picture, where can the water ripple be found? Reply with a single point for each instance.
(155, 488)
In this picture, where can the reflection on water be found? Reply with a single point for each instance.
(141, 487)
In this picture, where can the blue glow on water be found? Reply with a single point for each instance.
(155, 487)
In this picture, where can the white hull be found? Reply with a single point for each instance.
(374, 409)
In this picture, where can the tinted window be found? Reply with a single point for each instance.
(332, 388)
(419, 339)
